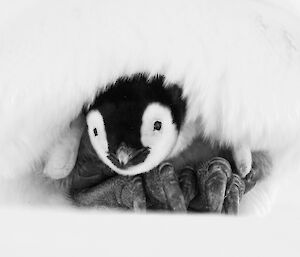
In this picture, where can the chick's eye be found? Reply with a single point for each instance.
(95, 132)
(157, 125)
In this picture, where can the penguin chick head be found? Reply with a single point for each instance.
(134, 125)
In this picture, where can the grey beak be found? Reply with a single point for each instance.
(124, 154)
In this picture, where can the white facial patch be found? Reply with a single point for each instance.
(161, 142)
(158, 132)
(97, 133)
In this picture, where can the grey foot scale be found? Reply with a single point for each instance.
(163, 189)
(116, 192)
(212, 188)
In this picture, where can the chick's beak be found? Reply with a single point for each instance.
(124, 154)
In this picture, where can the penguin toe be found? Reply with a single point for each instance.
(163, 189)
(212, 180)
(234, 192)
(188, 184)
(117, 192)
(132, 194)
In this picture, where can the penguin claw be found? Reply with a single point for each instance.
(171, 187)
(213, 179)
(163, 188)
(116, 192)
(234, 193)
(212, 188)
(188, 184)
(251, 179)
(132, 194)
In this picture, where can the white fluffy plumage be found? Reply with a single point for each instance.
(238, 60)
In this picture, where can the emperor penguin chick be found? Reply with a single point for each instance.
(134, 125)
